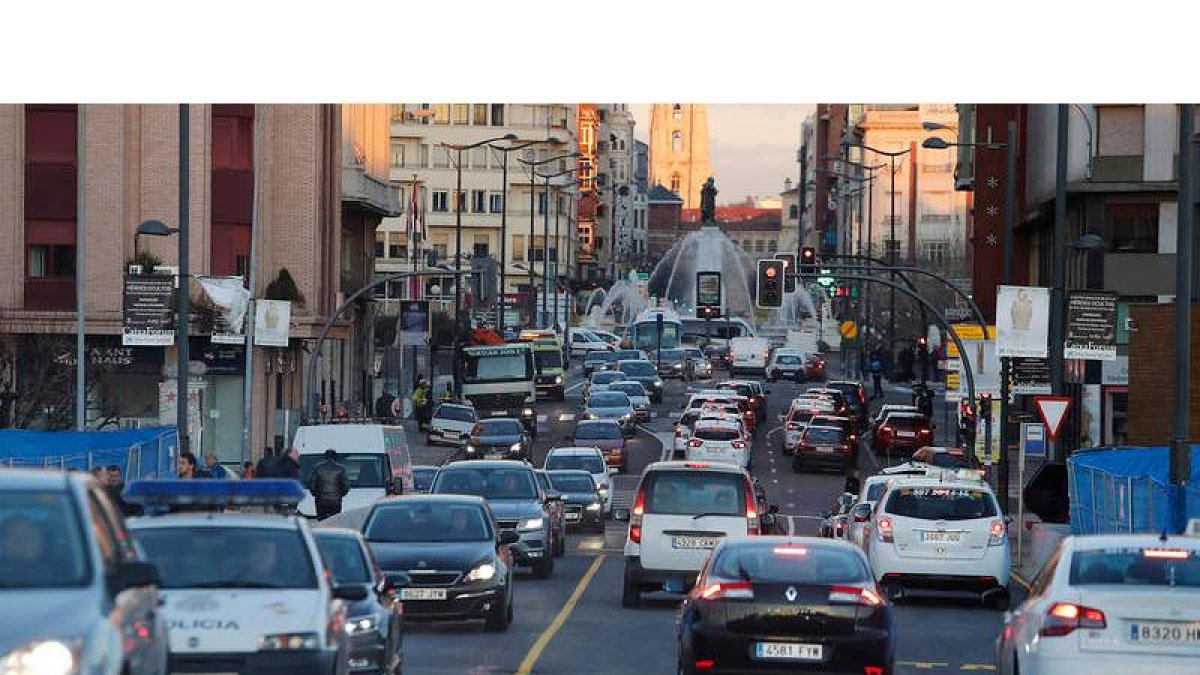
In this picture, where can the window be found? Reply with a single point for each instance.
(935, 252)
(479, 158)
(495, 202)
(1121, 130)
(54, 261)
(1132, 228)
(747, 245)
(936, 217)
(518, 248)
(418, 159)
(677, 112)
(380, 244)
(677, 142)
(396, 112)
(480, 247)
(397, 154)
(441, 158)
(793, 212)
(541, 203)
(479, 114)
(478, 201)
(441, 201)
(676, 180)
(441, 113)
(892, 247)
(442, 251)
(396, 247)
(462, 113)
(497, 114)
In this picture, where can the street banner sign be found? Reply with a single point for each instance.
(228, 300)
(272, 322)
(1029, 376)
(708, 289)
(147, 318)
(1053, 411)
(1022, 321)
(414, 322)
(1091, 326)
(1033, 439)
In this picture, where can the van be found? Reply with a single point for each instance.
(551, 373)
(749, 354)
(376, 456)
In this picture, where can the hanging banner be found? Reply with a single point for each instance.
(1022, 321)
(1091, 326)
(147, 317)
(272, 322)
(228, 301)
(414, 322)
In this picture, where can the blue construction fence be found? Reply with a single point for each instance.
(141, 453)
(1125, 489)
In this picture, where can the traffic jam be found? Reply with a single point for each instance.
(229, 576)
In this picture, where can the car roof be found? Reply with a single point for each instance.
(624, 361)
(574, 450)
(336, 533)
(629, 382)
(830, 417)
(1108, 541)
(819, 427)
(594, 422)
(904, 413)
(257, 520)
(676, 465)
(487, 464)
(439, 498)
(855, 383)
(39, 479)
(787, 540)
(930, 481)
(715, 422)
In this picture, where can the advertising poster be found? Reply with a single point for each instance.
(147, 317)
(1022, 321)
(272, 322)
(1091, 326)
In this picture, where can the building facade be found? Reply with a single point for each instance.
(664, 220)
(616, 188)
(679, 158)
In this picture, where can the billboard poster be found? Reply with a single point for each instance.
(708, 289)
(148, 319)
(1091, 326)
(1029, 376)
(228, 301)
(1022, 321)
(272, 322)
(414, 322)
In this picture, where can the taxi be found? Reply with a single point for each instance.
(243, 591)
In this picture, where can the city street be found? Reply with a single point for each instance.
(574, 622)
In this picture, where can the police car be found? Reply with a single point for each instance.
(942, 530)
(242, 591)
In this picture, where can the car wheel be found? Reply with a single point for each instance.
(543, 569)
(499, 617)
(631, 594)
(560, 544)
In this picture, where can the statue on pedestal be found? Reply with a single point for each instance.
(708, 201)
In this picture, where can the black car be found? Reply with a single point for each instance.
(643, 372)
(453, 560)
(582, 503)
(754, 392)
(423, 478)
(498, 438)
(376, 623)
(856, 397)
(595, 361)
(674, 363)
(769, 603)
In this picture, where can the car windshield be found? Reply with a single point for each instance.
(940, 503)
(506, 427)
(590, 463)
(639, 369)
(343, 557)
(1136, 566)
(542, 479)
(788, 360)
(601, 356)
(363, 470)
(673, 354)
(875, 491)
(598, 432)
(608, 399)
(905, 421)
(626, 354)
(629, 388)
(487, 482)
(823, 435)
(694, 353)
(457, 413)
(547, 358)
(772, 563)
(607, 377)
(572, 482)
(948, 460)
(228, 557)
(423, 478)
(696, 492)
(398, 522)
(741, 389)
(717, 433)
(41, 541)
(496, 365)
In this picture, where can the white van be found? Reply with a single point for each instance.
(749, 354)
(376, 456)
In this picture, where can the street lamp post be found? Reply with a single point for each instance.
(547, 279)
(533, 175)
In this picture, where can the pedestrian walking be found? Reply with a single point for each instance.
(420, 399)
(287, 466)
(877, 377)
(266, 464)
(328, 484)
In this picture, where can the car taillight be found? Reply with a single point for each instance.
(792, 426)
(739, 445)
(996, 533)
(695, 443)
(885, 429)
(1064, 617)
(884, 527)
(752, 526)
(635, 517)
(854, 595)
(728, 590)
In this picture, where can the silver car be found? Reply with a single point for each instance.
(600, 381)
(612, 405)
(701, 366)
(637, 396)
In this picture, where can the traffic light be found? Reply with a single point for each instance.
(770, 284)
(789, 271)
(708, 312)
(808, 261)
(922, 342)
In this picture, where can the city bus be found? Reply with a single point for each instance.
(645, 331)
(714, 331)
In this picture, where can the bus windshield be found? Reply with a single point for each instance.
(498, 364)
(644, 334)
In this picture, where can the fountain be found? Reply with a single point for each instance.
(627, 295)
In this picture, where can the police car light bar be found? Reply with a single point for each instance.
(205, 492)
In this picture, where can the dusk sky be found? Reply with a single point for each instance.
(752, 147)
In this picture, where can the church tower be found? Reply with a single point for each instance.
(679, 149)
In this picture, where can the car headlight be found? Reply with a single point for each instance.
(658, 383)
(49, 657)
(527, 412)
(515, 447)
(532, 524)
(626, 416)
(595, 506)
(482, 572)
(288, 642)
(471, 448)
(362, 624)
(678, 366)
(591, 416)
(603, 490)
(558, 379)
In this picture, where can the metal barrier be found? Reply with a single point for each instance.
(154, 458)
(1127, 499)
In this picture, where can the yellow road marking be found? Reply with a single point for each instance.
(1020, 580)
(923, 665)
(535, 652)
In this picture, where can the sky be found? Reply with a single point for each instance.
(752, 147)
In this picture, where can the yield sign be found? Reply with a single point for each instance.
(1053, 410)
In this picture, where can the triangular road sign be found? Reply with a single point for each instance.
(1053, 410)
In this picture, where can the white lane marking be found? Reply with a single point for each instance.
(566, 417)
(775, 481)
(773, 470)
(791, 505)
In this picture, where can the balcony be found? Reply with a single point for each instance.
(368, 193)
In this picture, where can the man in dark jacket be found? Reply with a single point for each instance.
(266, 465)
(328, 484)
(287, 466)
(115, 486)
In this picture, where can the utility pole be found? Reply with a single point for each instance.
(81, 269)
(1181, 460)
(181, 326)
(1010, 223)
(1060, 267)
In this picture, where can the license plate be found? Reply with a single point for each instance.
(941, 537)
(788, 651)
(906, 434)
(824, 448)
(572, 517)
(1165, 633)
(423, 594)
(493, 455)
(695, 542)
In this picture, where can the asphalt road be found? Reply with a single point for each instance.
(574, 622)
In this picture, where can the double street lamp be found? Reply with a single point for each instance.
(533, 175)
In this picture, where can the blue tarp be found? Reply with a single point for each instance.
(141, 453)
(1127, 490)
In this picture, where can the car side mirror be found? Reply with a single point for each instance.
(350, 593)
(134, 574)
(396, 487)
(767, 521)
(620, 515)
(508, 537)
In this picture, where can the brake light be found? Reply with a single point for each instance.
(885, 529)
(790, 550)
(866, 597)
(1166, 554)
(705, 664)
(752, 527)
(695, 443)
(635, 517)
(695, 465)
(885, 429)
(678, 432)
(792, 426)
(1064, 617)
(996, 532)
(739, 445)
(728, 590)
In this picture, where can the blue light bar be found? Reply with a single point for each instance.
(205, 492)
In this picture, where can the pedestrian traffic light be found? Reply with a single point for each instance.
(770, 284)
(808, 261)
(789, 271)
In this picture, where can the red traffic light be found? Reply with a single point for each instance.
(770, 272)
(808, 254)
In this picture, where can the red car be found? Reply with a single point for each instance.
(902, 431)
(605, 435)
(814, 368)
(827, 446)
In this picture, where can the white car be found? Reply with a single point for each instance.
(860, 514)
(451, 424)
(943, 533)
(244, 588)
(681, 511)
(718, 440)
(1108, 605)
(749, 355)
(590, 460)
(702, 366)
(584, 341)
(599, 381)
(606, 336)
(798, 416)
